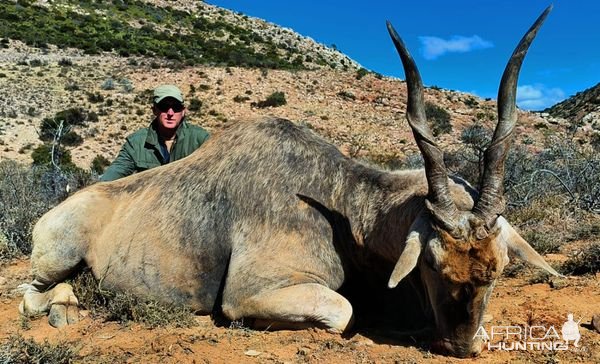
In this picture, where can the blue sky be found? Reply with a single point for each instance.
(458, 44)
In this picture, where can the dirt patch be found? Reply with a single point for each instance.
(514, 303)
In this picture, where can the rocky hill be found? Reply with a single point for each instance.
(582, 111)
(108, 80)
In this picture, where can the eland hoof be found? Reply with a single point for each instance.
(62, 315)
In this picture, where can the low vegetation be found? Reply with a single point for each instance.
(275, 99)
(584, 261)
(438, 118)
(124, 307)
(137, 28)
(25, 194)
(20, 350)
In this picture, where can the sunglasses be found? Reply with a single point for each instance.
(165, 106)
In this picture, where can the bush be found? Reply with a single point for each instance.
(544, 242)
(95, 97)
(92, 117)
(471, 102)
(108, 84)
(99, 164)
(65, 62)
(62, 122)
(562, 170)
(240, 98)
(438, 118)
(346, 95)
(22, 202)
(72, 139)
(361, 73)
(126, 85)
(586, 261)
(276, 99)
(43, 154)
(195, 105)
(21, 350)
(467, 161)
(26, 193)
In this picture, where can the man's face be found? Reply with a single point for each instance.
(169, 112)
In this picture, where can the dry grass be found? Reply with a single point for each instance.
(125, 308)
(19, 350)
(584, 261)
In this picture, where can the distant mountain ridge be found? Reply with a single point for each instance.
(582, 108)
(188, 32)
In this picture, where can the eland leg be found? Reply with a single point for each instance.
(51, 264)
(293, 307)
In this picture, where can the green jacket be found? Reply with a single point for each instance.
(142, 150)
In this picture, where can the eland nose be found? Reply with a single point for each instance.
(446, 347)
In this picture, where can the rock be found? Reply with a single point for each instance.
(2, 281)
(558, 283)
(252, 353)
(304, 351)
(596, 322)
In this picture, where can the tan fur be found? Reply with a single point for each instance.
(470, 261)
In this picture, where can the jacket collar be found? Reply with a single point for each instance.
(152, 137)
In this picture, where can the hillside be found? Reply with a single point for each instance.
(230, 62)
(582, 111)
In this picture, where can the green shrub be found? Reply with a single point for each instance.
(95, 97)
(72, 87)
(240, 98)
(43, 154)
(36, 63)
(346, 95)
(438, 118)
(72, 139)
(126, 85)
(471, 102)
(195, 105)
(361, 73)
(65, 62)
(99, 164)
(276, 99)
(92, 117)
(62, 122)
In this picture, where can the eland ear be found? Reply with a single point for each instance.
(521, 248)
(410, 255)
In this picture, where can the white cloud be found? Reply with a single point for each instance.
(434, 47)
(538, 97)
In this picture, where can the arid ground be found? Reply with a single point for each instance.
(516, 302)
